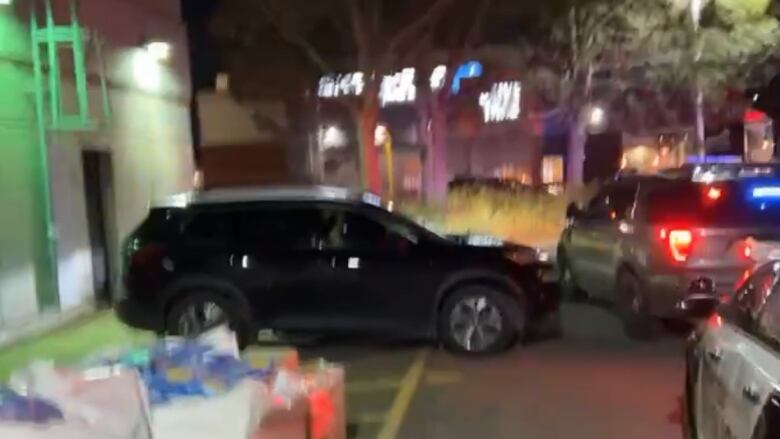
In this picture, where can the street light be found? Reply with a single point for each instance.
(597, 117)
(158, 50)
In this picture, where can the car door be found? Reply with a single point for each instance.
(281, 263)
(758, 365)
(727, 347)
(597, 235)
(608, 236)
(581, 239)
(391, 277)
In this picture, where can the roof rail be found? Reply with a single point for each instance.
(260, 193)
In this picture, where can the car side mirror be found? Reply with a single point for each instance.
(702, 300)
(573, 211)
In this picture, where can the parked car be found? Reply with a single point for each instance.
(732, 386)
(328, 261)
(642, 240)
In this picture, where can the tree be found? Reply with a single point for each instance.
(369, 36)
(647, 45)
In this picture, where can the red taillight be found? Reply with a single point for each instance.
(146, 256)
(714, 193)
(747, 251)
(679, 241)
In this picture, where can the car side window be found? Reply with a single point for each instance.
(207, 227)
(745, 305)
(285, 229)
(357, 231)
(768, 327)
(614, 202)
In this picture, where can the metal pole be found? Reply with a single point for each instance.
(389, 167)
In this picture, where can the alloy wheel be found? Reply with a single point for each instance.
(476, 323)
(200, 317)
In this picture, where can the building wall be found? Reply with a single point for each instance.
(148, 137)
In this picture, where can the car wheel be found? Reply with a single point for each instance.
(480, 320)
(569, 287)
(197, 313)
(633, 308)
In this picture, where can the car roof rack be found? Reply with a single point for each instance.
(267, 193)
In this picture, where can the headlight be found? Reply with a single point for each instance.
(542, 255)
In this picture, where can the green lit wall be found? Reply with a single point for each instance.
(23, 251)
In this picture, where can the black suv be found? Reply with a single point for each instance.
(327, 260)
(642, 240)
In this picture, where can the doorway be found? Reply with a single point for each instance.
(98, 198)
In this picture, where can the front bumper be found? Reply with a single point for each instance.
(140, 315)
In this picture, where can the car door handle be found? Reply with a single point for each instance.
(751, 394)
(715, 355)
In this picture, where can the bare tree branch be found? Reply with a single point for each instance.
(362, 40)
(293, 36)
(411, 30)
(476, 27)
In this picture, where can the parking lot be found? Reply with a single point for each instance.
(591, 383)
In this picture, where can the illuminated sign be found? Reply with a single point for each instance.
(398, 88)
(471, 69)
(502, 102)
(438, 77)
(334, 86)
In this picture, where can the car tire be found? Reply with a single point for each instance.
(570, 290)
(633, 308)
(203, 306)
(479, 320)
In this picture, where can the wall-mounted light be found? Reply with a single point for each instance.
(158, 50)
(6, 2)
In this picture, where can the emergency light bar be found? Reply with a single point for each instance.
(766, 192)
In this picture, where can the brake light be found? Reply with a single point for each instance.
(679, 241)
(747, 251)
(714, 193)
(147, 255)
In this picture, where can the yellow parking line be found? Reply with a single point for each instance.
(404, 397)
(373, 386)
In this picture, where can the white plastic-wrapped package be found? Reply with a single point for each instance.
(89, 402)
(234, 415)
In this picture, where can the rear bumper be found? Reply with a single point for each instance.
(665, 291)
(140, 315)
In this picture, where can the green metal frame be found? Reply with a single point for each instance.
(46, 44)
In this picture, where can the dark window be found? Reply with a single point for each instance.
(768, 327)
(208, 226)
(690, 202)
(160, 225)
(746, 304)
(358, 231)
(293, 228)
(613, 202)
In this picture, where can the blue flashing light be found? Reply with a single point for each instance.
(714, 159)
(470, 69)
(766, 192)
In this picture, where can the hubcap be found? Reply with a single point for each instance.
(475, 323)
(199, 318)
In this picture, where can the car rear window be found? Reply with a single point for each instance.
(721, 204)
(161, 224)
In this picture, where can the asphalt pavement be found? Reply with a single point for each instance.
(591, 383)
